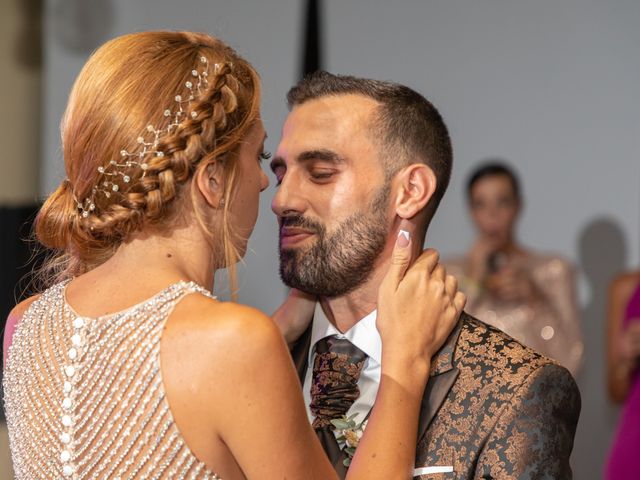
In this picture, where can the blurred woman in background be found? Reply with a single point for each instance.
(529, 295)
(623, 374)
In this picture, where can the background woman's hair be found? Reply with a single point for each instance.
(491, 168)
(125, 86)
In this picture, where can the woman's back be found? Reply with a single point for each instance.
(85, 396)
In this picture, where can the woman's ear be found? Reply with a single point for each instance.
(414, 185)
(209, 178)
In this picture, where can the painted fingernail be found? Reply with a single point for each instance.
(403, 238)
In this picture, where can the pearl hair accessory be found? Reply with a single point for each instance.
(122, 169)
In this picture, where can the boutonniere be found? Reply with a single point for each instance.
(348, 434)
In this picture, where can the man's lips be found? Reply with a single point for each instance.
(290, 236)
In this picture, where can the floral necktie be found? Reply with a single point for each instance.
(336, 369)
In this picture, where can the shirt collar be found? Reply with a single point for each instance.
(363, 334)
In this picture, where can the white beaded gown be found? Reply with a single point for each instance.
(84, 396)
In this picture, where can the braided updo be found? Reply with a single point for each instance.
(125, 86)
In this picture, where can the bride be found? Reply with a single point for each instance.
(127, 366)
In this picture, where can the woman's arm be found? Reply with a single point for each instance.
(261, 415)
(259, 412)
(623, 347)
(294, 315)
(416, 312)
(234, 393)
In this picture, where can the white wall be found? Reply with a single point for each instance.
(549, 85)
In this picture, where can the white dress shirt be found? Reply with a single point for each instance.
(366, 337)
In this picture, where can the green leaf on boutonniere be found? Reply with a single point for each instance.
(340, 424)
(348, 432)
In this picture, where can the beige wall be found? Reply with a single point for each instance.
(20, 107)
(20, 63)
(6, 472)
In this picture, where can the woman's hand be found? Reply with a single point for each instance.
(512, 284)
(418, 306)
(417, 310)
(294, 315)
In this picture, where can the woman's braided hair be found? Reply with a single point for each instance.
(125, 85)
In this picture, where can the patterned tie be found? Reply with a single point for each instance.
(336, 370)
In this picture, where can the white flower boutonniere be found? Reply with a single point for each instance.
(349, 432)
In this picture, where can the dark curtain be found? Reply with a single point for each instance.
(312, 54)
(17, 260)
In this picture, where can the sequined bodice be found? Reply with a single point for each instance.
(84, 396)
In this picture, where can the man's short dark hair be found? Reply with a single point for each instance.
(409, 125)
(492, 168)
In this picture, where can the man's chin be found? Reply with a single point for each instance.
(292, 277)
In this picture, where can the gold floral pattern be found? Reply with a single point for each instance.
(511, 412)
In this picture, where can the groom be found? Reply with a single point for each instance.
(357, 156)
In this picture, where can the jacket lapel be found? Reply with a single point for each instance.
(300, 353)
(442, 377)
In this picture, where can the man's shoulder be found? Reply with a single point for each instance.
(511, 412)
(486, 351)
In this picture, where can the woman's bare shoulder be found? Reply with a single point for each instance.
(207, 327)
(210, 316)
(627, 278)
(19, 310)
(208, 346)
(15, 315)
(624, 284)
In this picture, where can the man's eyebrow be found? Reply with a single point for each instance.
(322, 155)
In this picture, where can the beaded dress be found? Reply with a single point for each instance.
(551, 325)
(84, 396)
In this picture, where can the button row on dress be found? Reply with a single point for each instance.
(70, 370)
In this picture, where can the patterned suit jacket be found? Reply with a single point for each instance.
(492, 408)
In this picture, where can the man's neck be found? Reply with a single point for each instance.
(347, 310)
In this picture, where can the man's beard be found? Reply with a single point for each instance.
(340, 261)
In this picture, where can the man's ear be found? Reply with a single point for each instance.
(209, 178)
(414, 187)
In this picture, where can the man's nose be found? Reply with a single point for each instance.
(288, 198)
